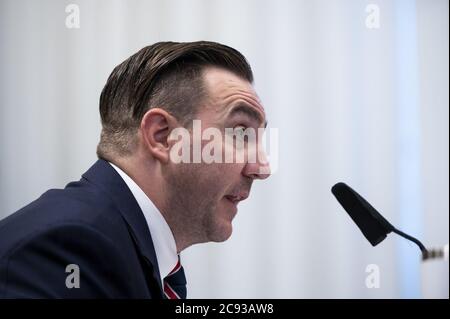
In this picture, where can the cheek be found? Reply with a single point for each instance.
(231, 171)
(218, 179)
(206, 180)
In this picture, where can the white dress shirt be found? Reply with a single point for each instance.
(163, 240)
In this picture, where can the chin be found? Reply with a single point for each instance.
(221, 232)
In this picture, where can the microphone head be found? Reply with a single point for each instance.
(373, 226)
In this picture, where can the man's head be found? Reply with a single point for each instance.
(164, 87)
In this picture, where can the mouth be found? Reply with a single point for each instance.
(235, 199)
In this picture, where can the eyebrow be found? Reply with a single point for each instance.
(249, 111)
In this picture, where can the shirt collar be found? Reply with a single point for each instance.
(163, 240)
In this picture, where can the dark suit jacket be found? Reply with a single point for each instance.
(94, 223)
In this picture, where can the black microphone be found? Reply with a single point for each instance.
(373, 226)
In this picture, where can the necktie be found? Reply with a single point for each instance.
(175, 283)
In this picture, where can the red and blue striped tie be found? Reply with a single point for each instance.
(175, 283)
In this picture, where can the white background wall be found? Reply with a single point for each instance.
(366, 106)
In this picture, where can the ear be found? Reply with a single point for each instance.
(156, 126)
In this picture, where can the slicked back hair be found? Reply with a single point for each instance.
(167, 75)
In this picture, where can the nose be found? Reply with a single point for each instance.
(260, 169)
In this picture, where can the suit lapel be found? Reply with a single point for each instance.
(105, 176)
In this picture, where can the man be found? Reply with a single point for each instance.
(118, 231)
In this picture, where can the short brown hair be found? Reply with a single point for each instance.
(167, 75)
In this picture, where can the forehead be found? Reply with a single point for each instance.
(226, 88)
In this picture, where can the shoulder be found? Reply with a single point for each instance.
(38, 266)
(79, 206)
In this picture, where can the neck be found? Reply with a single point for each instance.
(147, 176)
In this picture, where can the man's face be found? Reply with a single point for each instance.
(206, 195)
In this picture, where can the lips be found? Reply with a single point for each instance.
(235, 199)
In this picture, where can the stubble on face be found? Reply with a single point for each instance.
(197, 210)
(193, 195)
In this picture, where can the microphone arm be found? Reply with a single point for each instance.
(413, 239)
